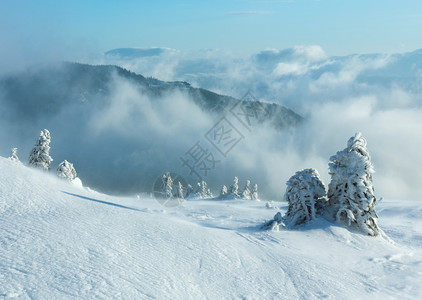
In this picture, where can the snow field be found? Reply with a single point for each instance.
(59, 241)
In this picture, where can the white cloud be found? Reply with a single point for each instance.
(287, 69)
(312, 53)
(349, 70)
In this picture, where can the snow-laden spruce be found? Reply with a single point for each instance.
(189, 192)
(351, 190)
(167, 185)
(179, 191)
(40, 154)
(66, 170)
(246, 194)
(305, 193)
(234, 188)
(223, 192)
(14, 155)
(254, 192)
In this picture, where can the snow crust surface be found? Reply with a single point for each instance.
(63, 241)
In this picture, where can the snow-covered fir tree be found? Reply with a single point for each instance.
(40, 154)
(246, 194)
(223, 192)
(254, 192)
(198, 190)
(167, 185)
(179, 192)
(234, 188)
(189, 191)
(14, 155)
(305, 193)
(351, 191)
(66, 170)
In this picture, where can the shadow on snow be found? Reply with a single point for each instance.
(101, 201)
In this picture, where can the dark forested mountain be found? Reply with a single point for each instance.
(47, 90)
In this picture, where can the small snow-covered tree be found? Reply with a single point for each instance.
(189, 191)
(199, 190)
(304, 193)
(274, 223)
(179, 192)
(40, 154)
(246, 194)
(351, 191)
(254, 192)
(66, 170)
(14, 155)
(234, 188)
(167, 185)
(223, 192)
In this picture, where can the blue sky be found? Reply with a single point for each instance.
(242, 26)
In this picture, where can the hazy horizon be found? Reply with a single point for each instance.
(72, 30)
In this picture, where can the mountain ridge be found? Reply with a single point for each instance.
(93, 81)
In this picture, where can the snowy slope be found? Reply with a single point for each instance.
(58, 241)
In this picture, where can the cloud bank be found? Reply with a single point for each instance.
(377, 94)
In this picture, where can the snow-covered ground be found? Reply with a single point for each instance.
(59, 241)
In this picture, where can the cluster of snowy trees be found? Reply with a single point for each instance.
(40, 158)
(248, 192)
(350, 199)
(172, 190)
(201, 191)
